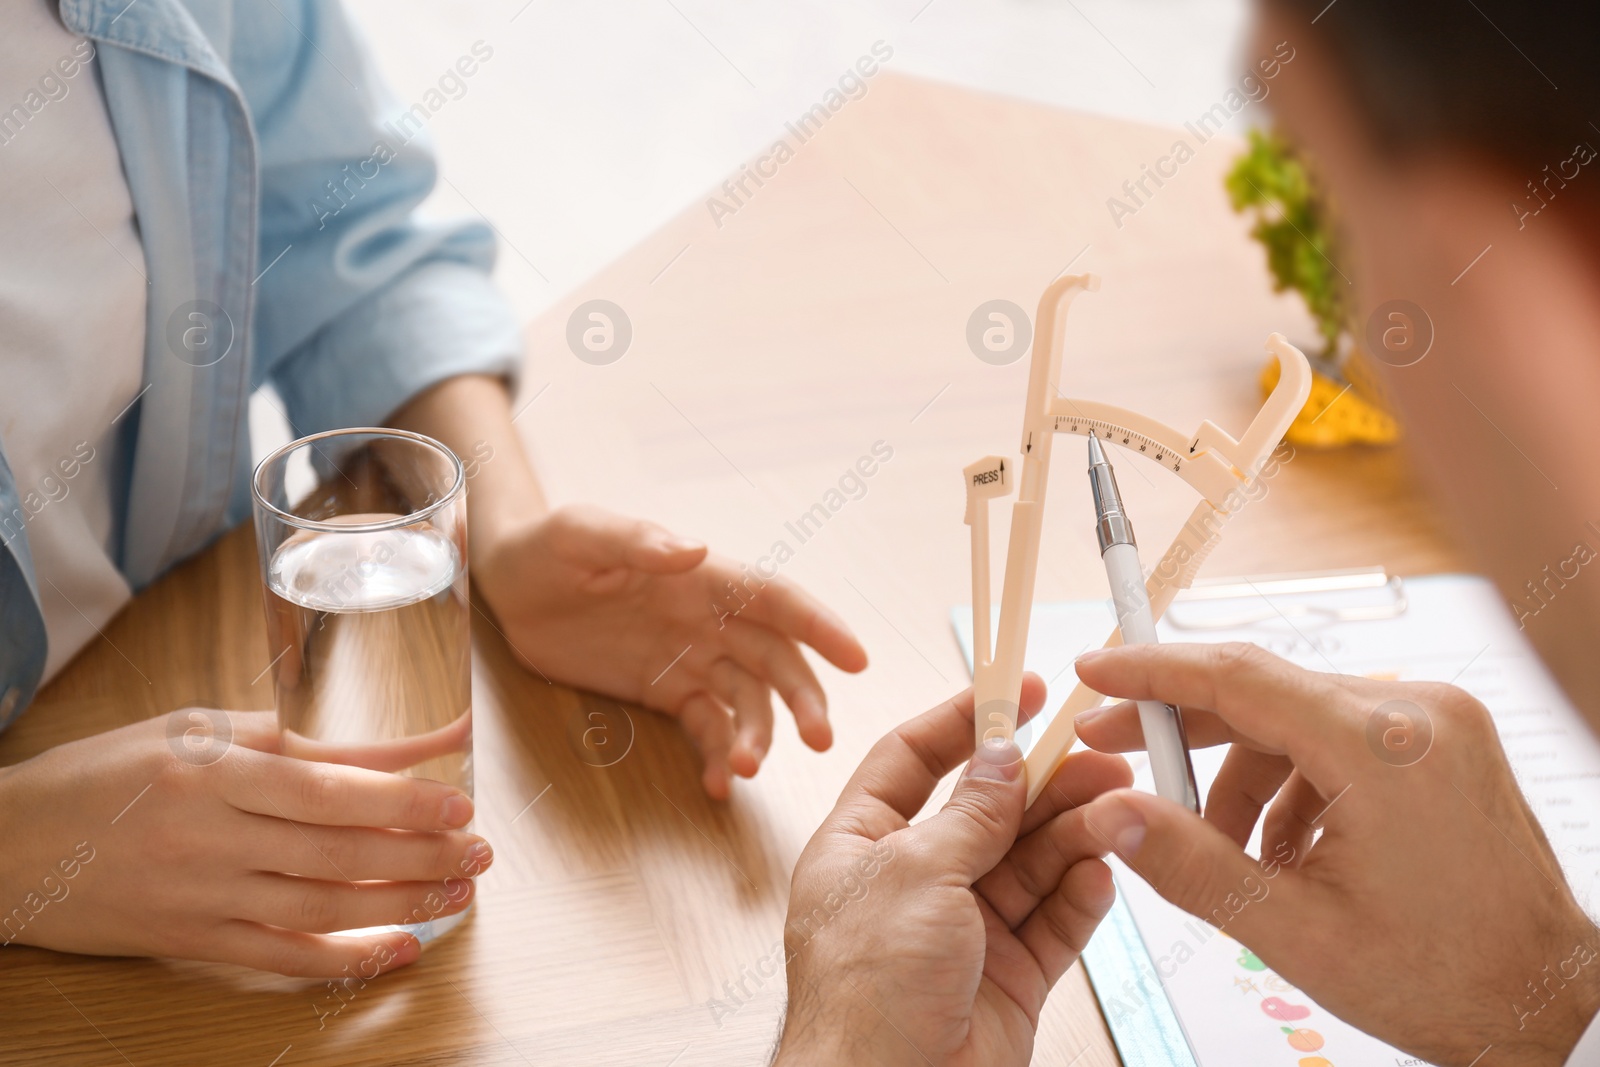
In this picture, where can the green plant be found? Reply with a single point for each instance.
(1294, 225)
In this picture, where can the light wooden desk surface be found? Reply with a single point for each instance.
(826, 314)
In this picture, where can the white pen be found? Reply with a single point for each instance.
(1163, 726)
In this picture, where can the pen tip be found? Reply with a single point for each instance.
(1096, 453)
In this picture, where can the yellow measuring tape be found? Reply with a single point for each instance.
(1334, 414)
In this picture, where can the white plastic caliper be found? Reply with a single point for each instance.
(1218, 467)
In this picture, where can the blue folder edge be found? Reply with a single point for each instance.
(1119, 964)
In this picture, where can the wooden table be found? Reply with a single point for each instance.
(769, 352)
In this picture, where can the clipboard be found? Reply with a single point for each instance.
(1447, 628)
(1117, 958)
(1307, 600)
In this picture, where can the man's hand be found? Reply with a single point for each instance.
(189, 835)
(1429, 912)
(937, 943)
(622, 607)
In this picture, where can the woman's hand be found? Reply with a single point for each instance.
(188, 835)
(1429, 912)
(938, 943)
(622, 607)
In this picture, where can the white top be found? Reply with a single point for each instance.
(72, 319)
(1587, 1052)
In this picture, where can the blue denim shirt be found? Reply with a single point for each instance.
(274, 182)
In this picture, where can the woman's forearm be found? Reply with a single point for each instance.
(471, 414)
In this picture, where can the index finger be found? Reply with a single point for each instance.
(785, 607)
(332, 794)
(395, 754)
(900, 773)
(1116, 728)
(1313, 718)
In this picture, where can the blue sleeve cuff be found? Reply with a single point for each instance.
(440, 319)
(23, 651)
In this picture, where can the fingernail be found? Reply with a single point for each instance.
(1083, 718)
(682, 544)
(457, 810)
(812, 706)
(1089, 656)
(479, 855)
(410, 951)
(1122, 824)
(834, 622)
(998, 759)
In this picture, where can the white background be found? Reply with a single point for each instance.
(597, 120)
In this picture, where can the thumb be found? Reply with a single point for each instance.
(1191, 863)
(603, 542)
(657, 550)
(979, 823)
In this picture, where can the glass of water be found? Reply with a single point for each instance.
(362, 536)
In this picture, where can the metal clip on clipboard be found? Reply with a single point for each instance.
(1371, 593)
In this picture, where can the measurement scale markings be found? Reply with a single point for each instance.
(1114, 433)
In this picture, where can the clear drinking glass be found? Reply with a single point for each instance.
(362, 536)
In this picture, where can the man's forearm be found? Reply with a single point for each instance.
(471, 415)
